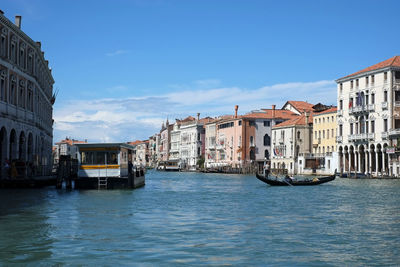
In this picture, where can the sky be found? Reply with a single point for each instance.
(122, 67)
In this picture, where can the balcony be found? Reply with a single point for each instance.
(339, 139)
(384, 105)
(371, 136)
(394, 133)
(358, 137)
(362, 109)
(385, 135)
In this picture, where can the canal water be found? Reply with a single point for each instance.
(204, 219)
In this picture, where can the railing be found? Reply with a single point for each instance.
(394, 132)
(315, 155)
(361, 109)
(358, 137)
(371, 136)
(384, 105)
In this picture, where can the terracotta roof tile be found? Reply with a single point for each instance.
(391, 62)
(329, 110)
(299, 120)
(271, 114)
(301, 106)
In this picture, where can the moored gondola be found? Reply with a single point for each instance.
(289, 182)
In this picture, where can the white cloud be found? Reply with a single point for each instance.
(120, 120)
(117, 52)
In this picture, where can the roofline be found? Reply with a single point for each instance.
(366, 73)
(125, 145)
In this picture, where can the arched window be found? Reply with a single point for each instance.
(298, 134)
(267, 140)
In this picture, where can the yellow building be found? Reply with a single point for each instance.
(324, 128)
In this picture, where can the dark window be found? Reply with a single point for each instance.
(240, 123)
(385, 125)
(341, 104)
(351, 128)
(267, 140)
(372, 98)
(266, 154)
(252, 123)
(396, 96)
(372, 126)
(340, 130)
(385, 96)
(267, 123)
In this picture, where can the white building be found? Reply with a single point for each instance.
(210, 144)
(26, 99)
(290, 139)
(369, 119)
(175, 135)
(66, 147)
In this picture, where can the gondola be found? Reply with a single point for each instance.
(288, 182)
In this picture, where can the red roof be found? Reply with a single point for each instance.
(391, 62)
(271, 114)
(71, 142)
(135, 142)
(329, 110)
(299, 120)
(301, 106)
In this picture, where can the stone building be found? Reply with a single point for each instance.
(264, 120)
(369, 120)
(26, 99)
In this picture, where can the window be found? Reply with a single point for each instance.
(3, 46)
(267, 123)
(251, 140)
(323, 134)
(351, 128)
(372, 79)
(340, 130)
(385, 125)
(341, 105)
(351, 85)
(341, 87)
(372, 126)
(366, 80)
(385, 76)
(333, 133)
(252, 123)
(366, 127)
(298, 134)
(266, 154)
(385, 94)
(267, 140)
(315, 134)
(240, 123)
(372, 98)
(357, 83)
(3, 87)
(319, 134)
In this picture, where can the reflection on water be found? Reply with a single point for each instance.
(192, 218)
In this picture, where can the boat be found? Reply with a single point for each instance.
(289, 182)
(107, 166)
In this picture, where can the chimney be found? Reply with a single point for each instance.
(18, 21)
(198, 116)
(307, 115)
(236, 110)
(273, 111)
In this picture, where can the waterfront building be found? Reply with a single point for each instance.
(175, 152)
(142, 154)
(26, 99)
(66, 147)
(298, 107)
(210, 155)
(165, 139)
(369, 119)
(264, 120)
(153, 150)
(324, 158)
(289, 139)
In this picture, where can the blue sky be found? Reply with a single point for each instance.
(122, 66)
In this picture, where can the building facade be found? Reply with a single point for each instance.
(369, 120)
(26, 99)
(66, 147)
(290, 139)
(324, 158)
